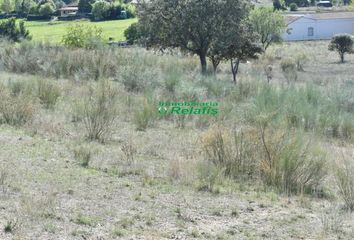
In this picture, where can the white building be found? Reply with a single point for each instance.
(318, 26)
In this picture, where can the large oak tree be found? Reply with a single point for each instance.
(191, 25)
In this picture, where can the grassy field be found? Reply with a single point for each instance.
(53, 31)
(151, 176)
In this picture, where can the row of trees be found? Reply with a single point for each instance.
(104, 10)
(218, 30)
(100, 9)
(24, 7)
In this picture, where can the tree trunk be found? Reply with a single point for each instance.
(215, 64)
(234, 68)
(203, 63)
(342, 57)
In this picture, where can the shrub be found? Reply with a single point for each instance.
(11, 30)
(83, 155)
(15, 110)
(47, 92)
(344, 175)
(171, 80)
(300, 60)
(209, 177)
(342, 43)
(130, 9)
(234, 153)
(98, 111)
(144, 117)
(288, 66)
(290, 163)
(129, 151)
(81, 36)
(293, 7)
(132, 33)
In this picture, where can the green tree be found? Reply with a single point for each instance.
(6, 6)
(342, 44)
(268, 24)
(190, 25)
(132, 33)
(100, 10)
(11, 30)
(46, 10)
(293, 7)
(236, 48)
(85, 6)
(23, 7)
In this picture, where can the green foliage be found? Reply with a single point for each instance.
(85, 6)
(193, 26)
(268, 24)
(11, 30)
(15, 110)
(344, 173)
(291, 163)
(132, 33)
(80, 36)
(145, 116)
(100, 10)
(342, 44)
(278, 5)
(47, 92)
(6, 6)
(293, 7)
(46, 10)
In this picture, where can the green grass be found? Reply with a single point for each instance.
(53, 31)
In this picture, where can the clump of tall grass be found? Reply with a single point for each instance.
(98, 110)
(47, 92)
(344, 176)
(83, 155)
(289, 69)
(232, 151)
(285, 161)
(145, 115)
(15, 110)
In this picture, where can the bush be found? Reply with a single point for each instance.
(15, 110)
(11, 30)
(290, 163)
(344, 175)
(288, 66)
(81, 36)
(293, 7)
(300, 60)
(83, 155)
(144, 117)
(98, 111)
(47, 92)
(234, 153)
(132, 33)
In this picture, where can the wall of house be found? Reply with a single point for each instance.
(322, 29)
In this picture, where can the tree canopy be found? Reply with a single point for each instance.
(268, 24)
(194, 26)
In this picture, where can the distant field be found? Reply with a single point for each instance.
(53, 31)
